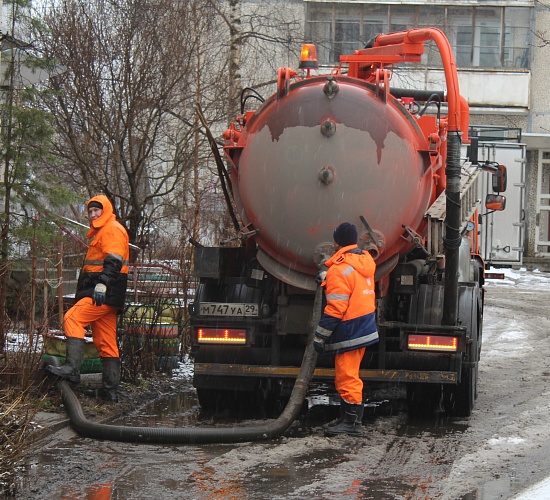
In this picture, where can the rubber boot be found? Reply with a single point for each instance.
(75, 357)
(340, 417)
(351, 423)
(111, 379)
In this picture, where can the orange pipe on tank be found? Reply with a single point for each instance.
(464, 119)
(449, 64)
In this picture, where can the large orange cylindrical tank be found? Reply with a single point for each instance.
(309, 162)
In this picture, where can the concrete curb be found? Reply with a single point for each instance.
(48, 424)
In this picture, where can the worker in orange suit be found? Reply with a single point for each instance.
(100, 295)
(348, 324)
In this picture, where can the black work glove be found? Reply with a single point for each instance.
(99, 294)
(319, 345)
(321, 275)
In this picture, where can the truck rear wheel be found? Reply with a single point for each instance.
(267, 399)
(216, 400)
(423, 399)
(212, 399)
(271, 398)
(425, 309)
(459, 400)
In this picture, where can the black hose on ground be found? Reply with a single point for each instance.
(192, 435)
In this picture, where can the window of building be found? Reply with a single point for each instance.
(542, 229)
(481, 36)
(346, 36)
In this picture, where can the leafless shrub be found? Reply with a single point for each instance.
(20, 399)
(153, 320)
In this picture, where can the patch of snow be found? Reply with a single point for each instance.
(17, 342)
(520, 278)
(513, 335)
(184, 370)
(505, 441)
(540, 491)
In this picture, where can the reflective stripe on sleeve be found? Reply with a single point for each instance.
(323, 332)
(337, 296)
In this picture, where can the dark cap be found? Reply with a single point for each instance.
(95, 204)
(345, 234)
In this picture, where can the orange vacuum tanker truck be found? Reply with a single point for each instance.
(346, 146)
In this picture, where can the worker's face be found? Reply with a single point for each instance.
(94, 213)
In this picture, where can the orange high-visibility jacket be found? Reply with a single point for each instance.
(107, 257)
(349, 321)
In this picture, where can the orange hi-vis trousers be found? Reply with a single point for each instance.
(347, 381)
(102, 319)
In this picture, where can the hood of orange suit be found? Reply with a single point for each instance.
(106, 216)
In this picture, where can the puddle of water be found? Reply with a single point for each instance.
(297, 472)
(91, 492)
(183, 410)
(390, 489)
(173, 410)
(432, 426)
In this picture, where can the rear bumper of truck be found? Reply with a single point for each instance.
(380, 364)
(222, 371)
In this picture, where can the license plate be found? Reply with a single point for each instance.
(223, 309)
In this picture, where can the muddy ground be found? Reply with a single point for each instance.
(497, 452)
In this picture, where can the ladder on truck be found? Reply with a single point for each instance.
(469, 202)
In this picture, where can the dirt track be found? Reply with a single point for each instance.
(500, 450)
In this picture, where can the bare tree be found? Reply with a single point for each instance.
(124, 106)
(263, 36)
(256, 39)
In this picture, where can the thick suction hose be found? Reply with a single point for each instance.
(452, 237)
(195, 434)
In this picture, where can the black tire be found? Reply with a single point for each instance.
(212, 399)
(270, 398)
(426, 309)
(218, 401)
(460, 399)
(424, 399)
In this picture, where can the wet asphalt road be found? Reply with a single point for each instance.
(498, 451)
